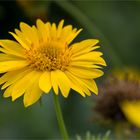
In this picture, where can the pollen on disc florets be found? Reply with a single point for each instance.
(49, 56)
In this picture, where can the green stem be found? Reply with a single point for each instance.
(60, 117)
(83, 19)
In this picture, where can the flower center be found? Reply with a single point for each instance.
(49, 56)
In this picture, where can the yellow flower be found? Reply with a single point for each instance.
(43, 58)
(119, 86)
(129, 73)
(131, 111)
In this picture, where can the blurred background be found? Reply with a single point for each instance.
(116, 24)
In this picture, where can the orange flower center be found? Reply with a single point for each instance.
(49, 56)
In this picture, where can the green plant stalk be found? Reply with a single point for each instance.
(60, 117)
(83, 19)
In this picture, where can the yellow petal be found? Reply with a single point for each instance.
(22, 85)
(41, 30)
(12, 65)
(100, 61)
(48, 30)
(59, 30)
(45, 81)
(6, 52)
(80, 87)
(91, 85)
(35, 31)
(74, 85)
(5, 77)
(86, 91)
(90, 57)
(131, 111)
(23, 37)
(87, 44)
(12, 76)
(84, 51)
(12, 47)
(21, 41)
(54, 82)
(66, 31)
(29, 32)
(63, 82)
(53, 30)
(85, 73)
(8, 91)
(32, 94)
(83, 64)
(9, 57)
(72, 36)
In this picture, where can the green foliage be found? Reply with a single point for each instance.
(114, 23)
(89, 136)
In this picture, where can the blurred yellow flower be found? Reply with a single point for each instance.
(119, 86)
(131, 111)
(129, 73)
(43, 58)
